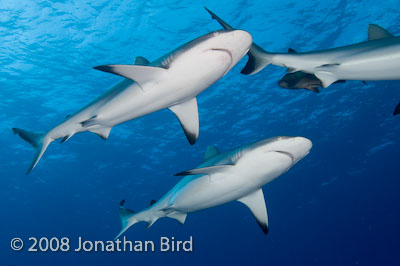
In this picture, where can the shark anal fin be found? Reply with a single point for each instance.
(210, 152)
(64, 139)
(141, 61)
(206, 170)
(137, 73)
(376, 32)
(188, 115)
(256, 203)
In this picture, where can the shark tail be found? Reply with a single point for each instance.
(258, 57)
(150, 215)
(39, 142)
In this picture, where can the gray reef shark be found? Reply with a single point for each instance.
(172, 81)
(375, 59)
(236, 175)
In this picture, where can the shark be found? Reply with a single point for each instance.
(378, 58)
(170, 82)
(236, 175)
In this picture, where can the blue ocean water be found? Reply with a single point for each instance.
(338, 206)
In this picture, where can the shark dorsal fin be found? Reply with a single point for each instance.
(256, 203)
(292, 51)
(210, 152)
(188, 115)
(140, 60)
(376, 32)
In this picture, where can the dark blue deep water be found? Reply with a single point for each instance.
(338, 206)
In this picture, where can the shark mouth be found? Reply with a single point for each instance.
(287, 154)
(230, 55)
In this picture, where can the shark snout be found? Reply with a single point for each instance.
(294, 147)
(238, 44)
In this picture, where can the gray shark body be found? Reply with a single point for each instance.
(172, 81)
(236, 175)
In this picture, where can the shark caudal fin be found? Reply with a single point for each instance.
(397, 109)
(258, 57)
(39, 141)
(149, 215)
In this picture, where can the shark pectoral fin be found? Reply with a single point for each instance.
(139, 74)
(103, 132)
(210, 152)
(397, 109)
(256, 203)
(376, 32)
(188, 115)
(220, 21)
(206, 170)
(141, 61)
(179, 216)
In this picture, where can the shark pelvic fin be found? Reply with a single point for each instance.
(39, 141)
(313, 88)
(188, 115)
(90, 122)
(179, 216)
(137, 73)
(376, 32)
(210, 152)
(103, 132)
(141, 61)
(206, 170)
(256, 203)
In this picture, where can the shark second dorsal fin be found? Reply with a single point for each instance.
(292, 51)
(210, 152)
(256, 203)
(141, 61)
(188, 115)
(376, 32)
